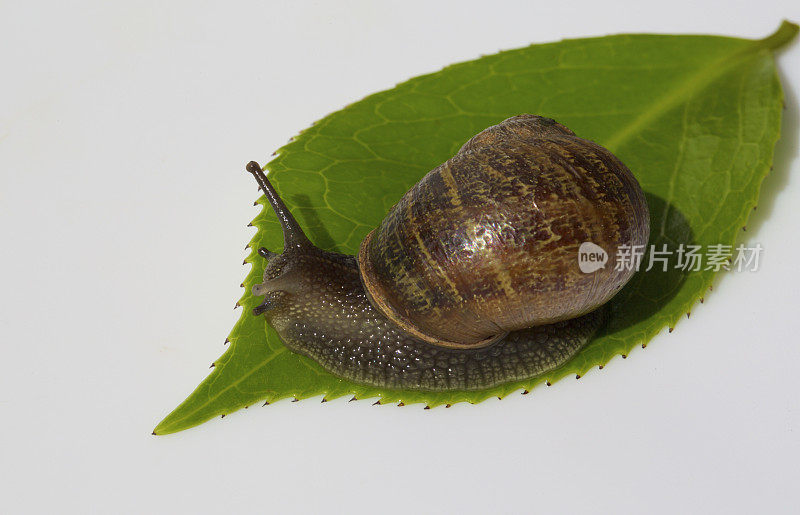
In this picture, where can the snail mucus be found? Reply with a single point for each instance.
(472, 279)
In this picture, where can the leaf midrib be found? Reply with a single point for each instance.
(691, 87)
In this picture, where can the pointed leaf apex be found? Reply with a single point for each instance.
(785, 34)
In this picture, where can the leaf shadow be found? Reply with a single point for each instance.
(313, 224)
(649, 290)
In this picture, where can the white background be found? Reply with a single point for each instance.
(124, 130)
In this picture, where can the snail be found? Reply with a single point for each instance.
(472, 279)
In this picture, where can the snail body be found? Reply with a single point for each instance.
(472, 279)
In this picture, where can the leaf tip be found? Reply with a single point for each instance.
(785, 33)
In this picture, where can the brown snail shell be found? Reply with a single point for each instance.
(487, 242)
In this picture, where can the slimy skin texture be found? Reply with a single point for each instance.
(317, 304)
(472, 279)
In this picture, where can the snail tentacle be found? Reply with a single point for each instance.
(293, 235)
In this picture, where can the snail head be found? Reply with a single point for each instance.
(282, 271)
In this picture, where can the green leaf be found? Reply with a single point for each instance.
(695, 118)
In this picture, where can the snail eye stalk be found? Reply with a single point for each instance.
(293, 235)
